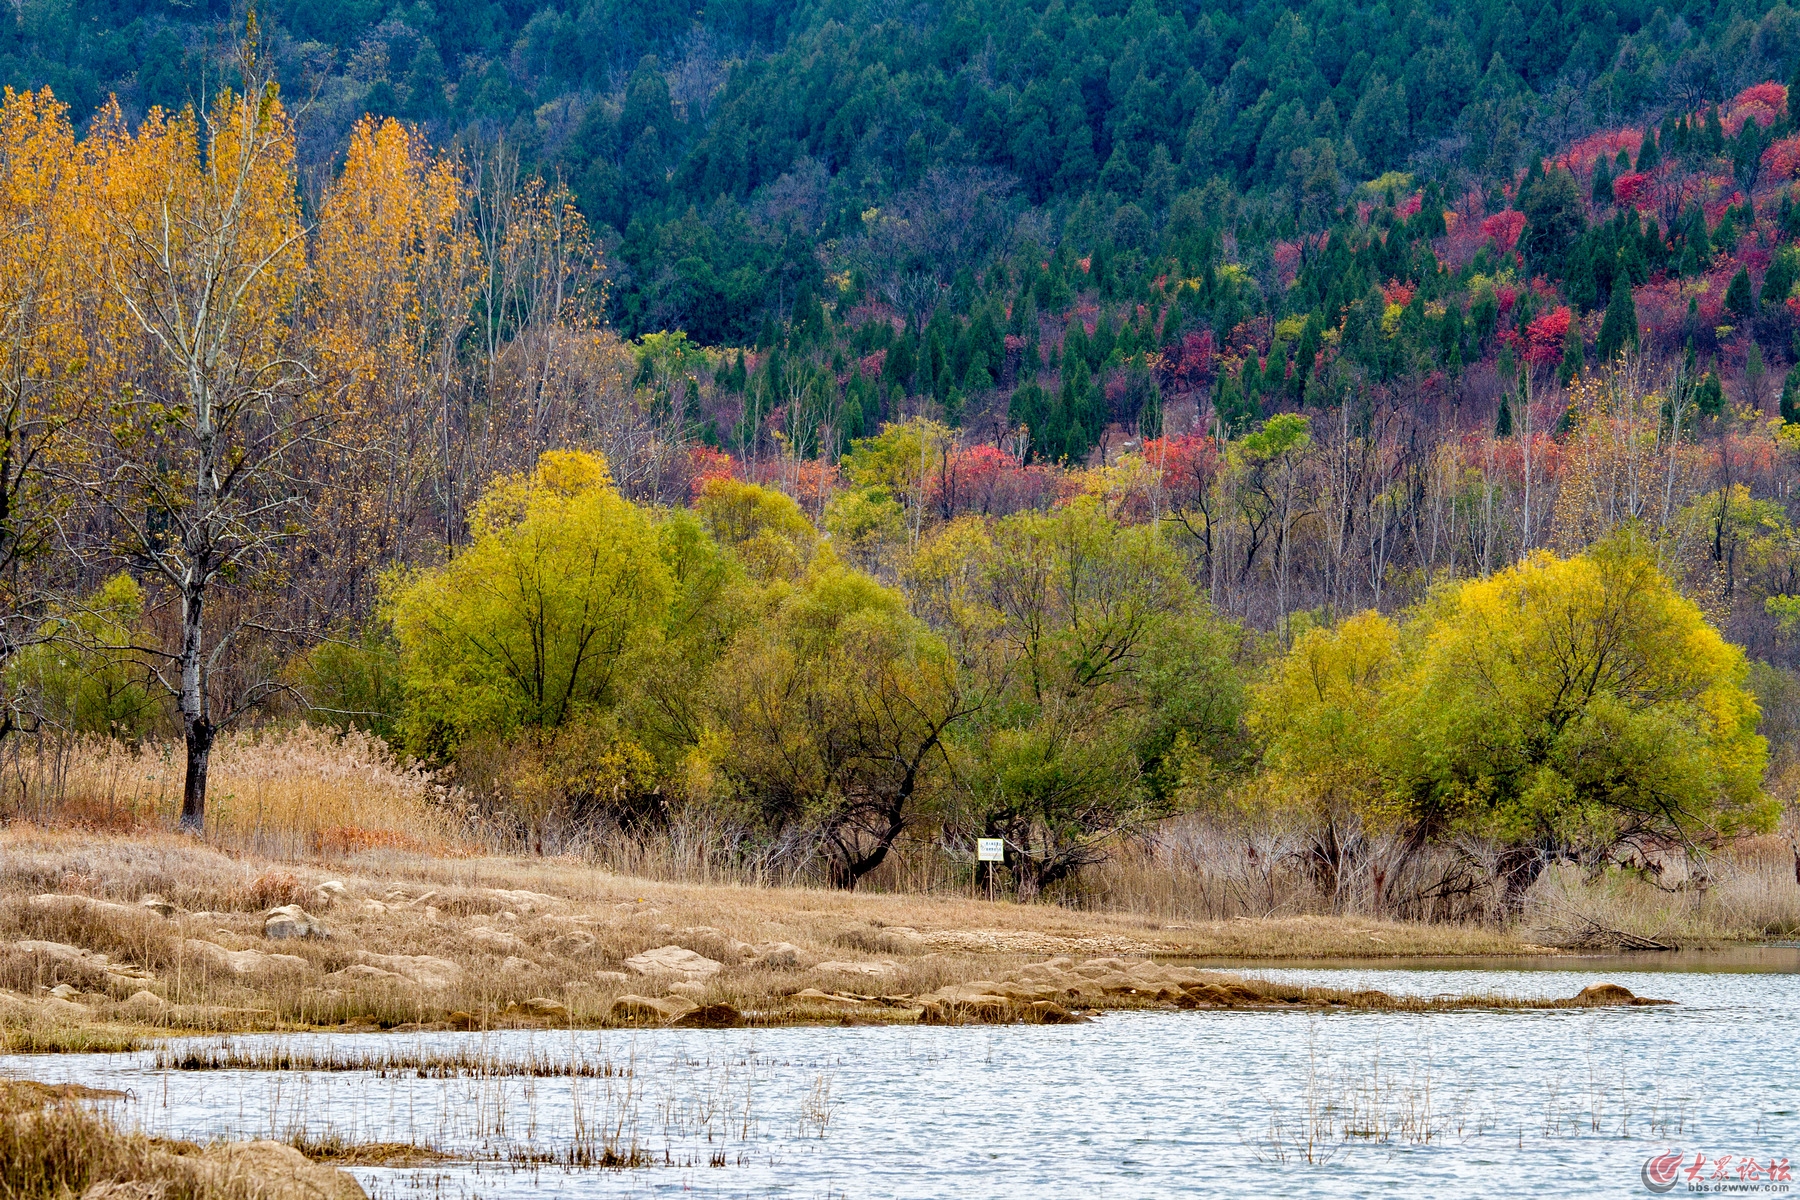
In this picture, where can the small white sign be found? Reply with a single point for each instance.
(990, 849)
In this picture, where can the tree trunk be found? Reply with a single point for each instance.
(193, 789)
(196, 717)
(1516, 869)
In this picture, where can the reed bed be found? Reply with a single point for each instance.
(281, 792)
(477, 1060)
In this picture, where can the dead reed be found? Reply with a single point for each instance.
(281, 792)
(476, 1060)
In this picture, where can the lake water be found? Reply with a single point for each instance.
(1488, 1103)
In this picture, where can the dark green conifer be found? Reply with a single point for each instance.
(1619, 328)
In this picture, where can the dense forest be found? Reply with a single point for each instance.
(741, 154)
(838, 424)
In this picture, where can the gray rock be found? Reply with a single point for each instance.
(672, 960)
(777, 956)
(291, 921)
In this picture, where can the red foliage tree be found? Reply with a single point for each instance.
(1505, 228)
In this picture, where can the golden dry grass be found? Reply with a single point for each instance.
(414, 939)
(1749, 893)
(280, 792)
(428, 929)
(56, 1142)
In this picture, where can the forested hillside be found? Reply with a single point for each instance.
(735, 153)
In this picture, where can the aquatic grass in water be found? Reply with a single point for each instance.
(383, 1056)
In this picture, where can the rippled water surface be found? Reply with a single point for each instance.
(1482, 1103)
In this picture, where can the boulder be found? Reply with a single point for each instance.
(540, 1007)
(1048, 1012)
(690, 987)
(519, 966)
(495, 941)
(364, 973)
(523, 900)
(144, 1005)
(244, 962)
(710, 1016)
(1217, 995)
(672, 960)
(461, 1020)
(67, 1010)
(649, 1008)
(64, 905)
(778, 956)
(157, 905)
(815, 996)
(611, 978)
(1605, 993)
(291, 921)
(329, 893)
(77, 956)
(570, 944)
(422, 969)
(871, 969)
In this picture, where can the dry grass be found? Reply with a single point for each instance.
(55, 1143)
(472, 942)
(1746, 894)
(276, 792)
(429, 931)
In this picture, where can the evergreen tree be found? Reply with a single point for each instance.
(1739, 299)
(1602, 190)
(1649, 154)
(1503, 423)
(1619, 328)
(1571, 360)
(1778, 281)
(1710, 398)
(900, 365)
(1790, 397)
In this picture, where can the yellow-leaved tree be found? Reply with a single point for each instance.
(200, 243)
(545, 618)
(1319, 715)
(1565, 709)
(396, 265)
(43, 353)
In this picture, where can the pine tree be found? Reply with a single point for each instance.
(1778, 281)
(1710, 399)
(1715, 131)
(1603, 181)
(1503, 423)
(1739, 298)
(1649, 154)
(1790, 397)
(1571, 360)
(1619, 328)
